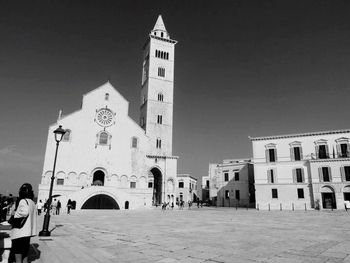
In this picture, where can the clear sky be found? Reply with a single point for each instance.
(241, 68)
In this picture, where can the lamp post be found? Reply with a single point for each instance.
(59, 132)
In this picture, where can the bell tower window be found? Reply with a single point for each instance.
(159, 143)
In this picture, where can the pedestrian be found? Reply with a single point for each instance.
(53, 206)
(69, 206)
(25, 208)
(172, 205)
(39, 206)
(58, 207)
(189, 204)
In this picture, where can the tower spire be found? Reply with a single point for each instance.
(159, 28)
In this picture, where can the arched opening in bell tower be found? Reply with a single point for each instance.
(157, 186)
(99, 178)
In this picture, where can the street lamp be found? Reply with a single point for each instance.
(59, 132)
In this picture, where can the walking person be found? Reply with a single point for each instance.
(69, 206)
(53, 207)
(25, 208)
(58, 207)
(39, 206)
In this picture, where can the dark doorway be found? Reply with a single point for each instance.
(328, 201)
(99, 178)
(346, 196)
(100, 202)
(126, 204)
(157, 187)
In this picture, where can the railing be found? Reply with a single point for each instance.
(312, 156)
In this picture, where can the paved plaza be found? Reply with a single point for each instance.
(197, 235)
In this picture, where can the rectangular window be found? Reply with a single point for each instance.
(161, 72)
(226, 177)
(300, 193)
(134, 142)
(181, 184)
(237, 195)
(347, 173)
(274, 193)
(132, 184)
(322, 152)
(60, 181)
(299, 175)
(150, 185)
(272, 155)
(297, 155)
(159, 119)
(207, 183)
(325, 174)
(236, 176)
(227, 194)
(344, 150)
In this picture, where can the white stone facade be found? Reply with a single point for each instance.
(186, 188)
(106, 160)
(230, 183)
(302, 171)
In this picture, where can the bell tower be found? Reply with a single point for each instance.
(157, 92)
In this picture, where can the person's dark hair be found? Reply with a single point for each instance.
(25, 191)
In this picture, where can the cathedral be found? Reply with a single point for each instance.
(108, 161)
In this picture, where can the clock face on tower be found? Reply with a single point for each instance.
(104, 117)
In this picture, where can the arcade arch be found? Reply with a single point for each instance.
(100, 201)
(157, 186)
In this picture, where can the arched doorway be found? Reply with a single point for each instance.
(99, 178)
(157, 186)
(328, 198)
(100, 201)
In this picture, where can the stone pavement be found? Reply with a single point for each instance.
(209, 235)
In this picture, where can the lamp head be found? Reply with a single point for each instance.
(59, 132)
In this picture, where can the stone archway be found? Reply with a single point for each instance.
(98, 178)
(157, 186)
(100, 201)
(328, 197)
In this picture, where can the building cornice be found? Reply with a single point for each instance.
(162, 156)
(274, 137)
(163, 39)
(329, 160)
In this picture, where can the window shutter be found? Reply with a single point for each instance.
(294, 175)
(275, 150)
(342, 173)
(292, 157)
(330, 174)
(275, 176)
(267, 155)
(301, 153)
(338, 150)
(320, 174)
(327, 151)
(269, 176)
(317, 151)
(302, 175)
